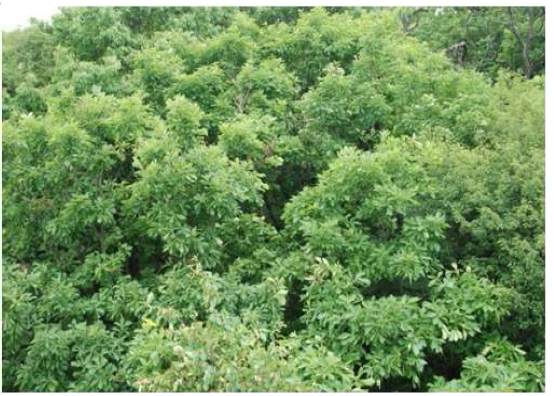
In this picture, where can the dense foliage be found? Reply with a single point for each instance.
(273, 199)
(487, 38)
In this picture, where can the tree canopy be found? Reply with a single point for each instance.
(274, 199)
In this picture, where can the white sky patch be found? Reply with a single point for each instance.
(15, 15)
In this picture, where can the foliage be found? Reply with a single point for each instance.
(499, 367)
(493, 38)
(274, 199)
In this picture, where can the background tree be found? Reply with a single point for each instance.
(494, 37)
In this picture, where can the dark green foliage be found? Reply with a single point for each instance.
(274, 199)
(487, 38)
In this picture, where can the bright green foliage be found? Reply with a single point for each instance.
(500, 367)
(27, 56)
(344, 108)
(94, 364)
(87, 77)
(184, 117)
(69, 175)
(420, 86)
(81, 357)
(186, 199)
(91, 32)
(226, 356)
(266, 87)
(231, 50)
(371, 207)
(365, 216)
(274, 199)
(317, 39)
(155, 71)
(29, 99)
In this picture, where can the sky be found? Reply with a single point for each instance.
(14, 15)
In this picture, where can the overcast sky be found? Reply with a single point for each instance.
(14, 15)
